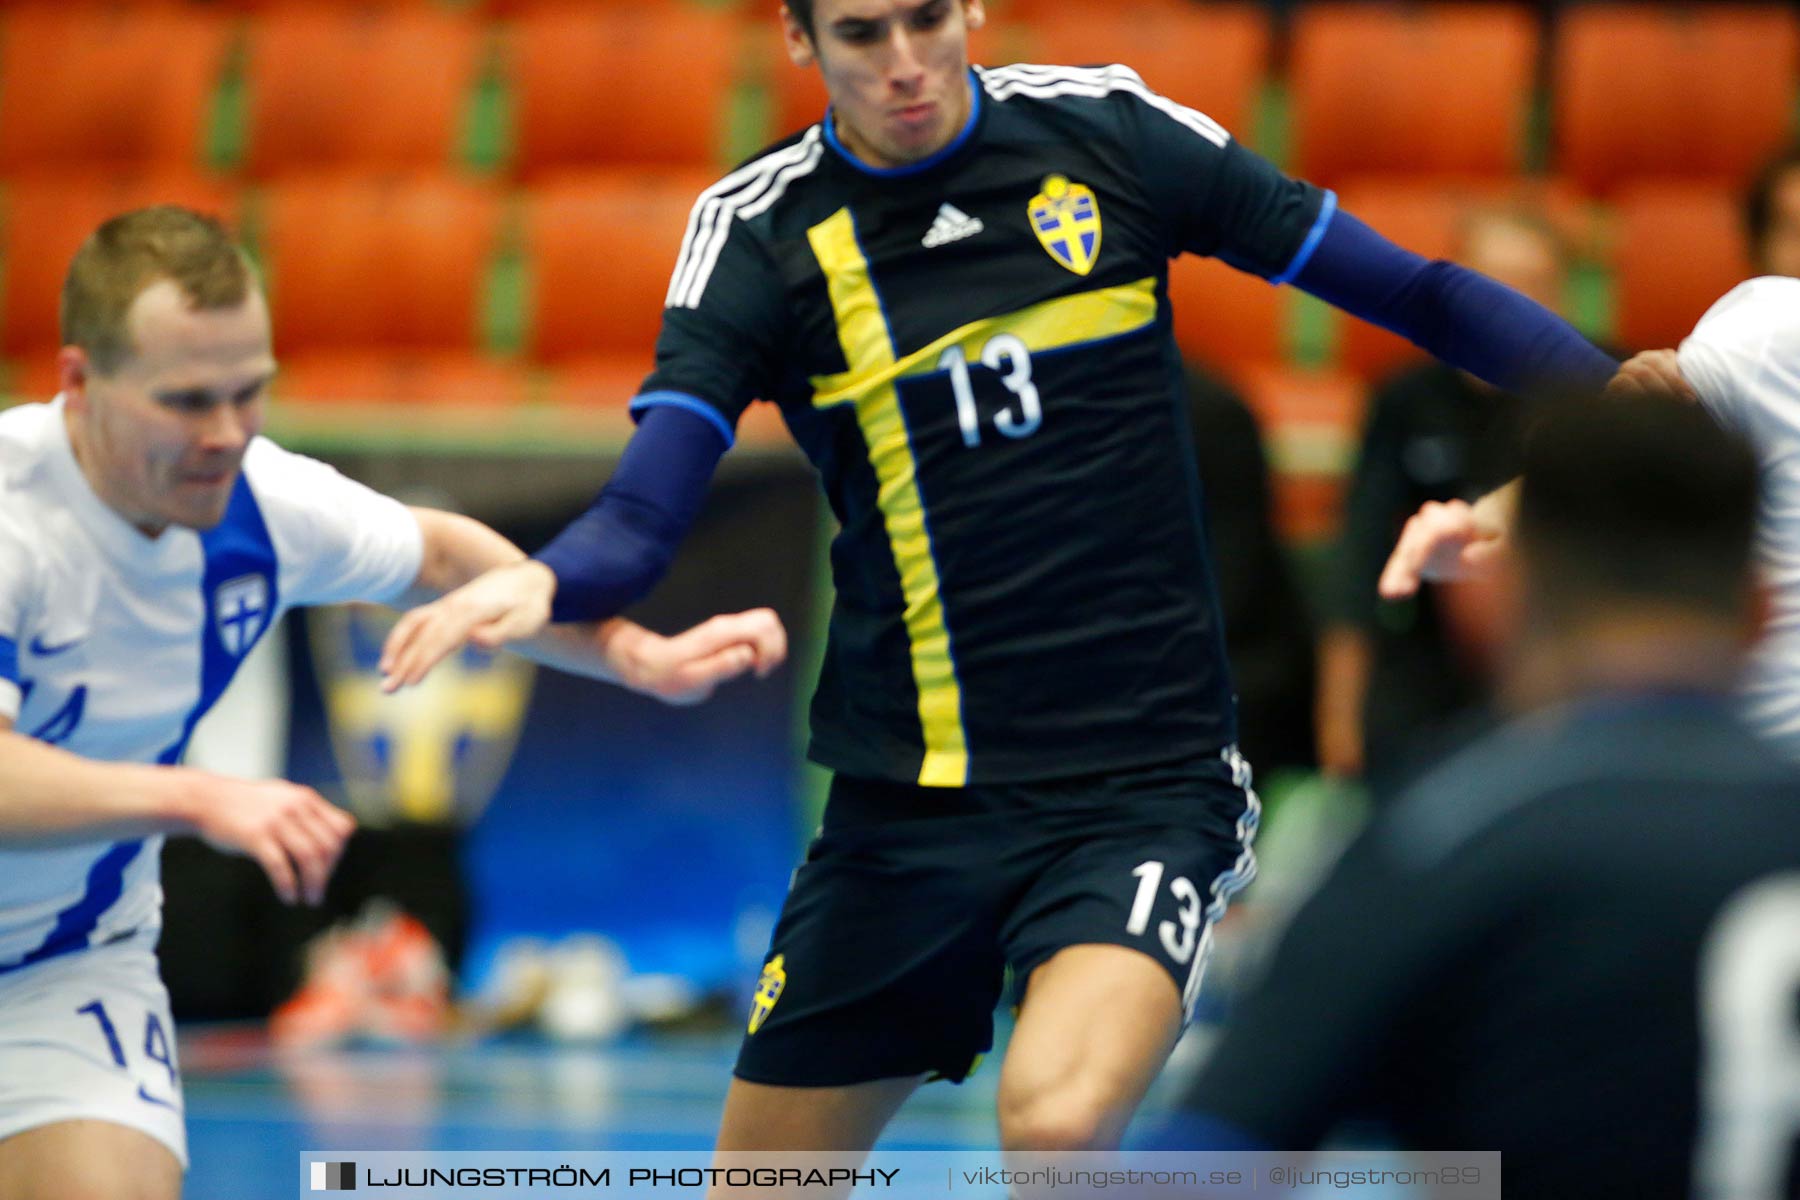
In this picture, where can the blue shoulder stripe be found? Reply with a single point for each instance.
(9, 660)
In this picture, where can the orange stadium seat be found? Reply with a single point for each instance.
(46, 217)
(1680, 247)
(513, 8)
(1439, 88)
(107, 87)
(602, 247)
(1311, 421)
(1225, 318)
(376, 286)
(259, 6)
(1211, 57)
(1692, 91)
(361, 88)
(561, 56)
(445, 378)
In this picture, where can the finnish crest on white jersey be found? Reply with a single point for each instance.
(241, 612)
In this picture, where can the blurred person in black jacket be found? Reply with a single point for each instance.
(1390, 683)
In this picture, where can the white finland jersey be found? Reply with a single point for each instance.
(1744, 361)
(113, 645)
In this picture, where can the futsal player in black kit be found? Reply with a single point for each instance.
(955, 289)
(1578, 941)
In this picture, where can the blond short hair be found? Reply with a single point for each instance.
(133, 251)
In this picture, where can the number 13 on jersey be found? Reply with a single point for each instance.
(1011, 358)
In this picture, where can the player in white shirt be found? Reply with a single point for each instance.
(148, 538)
(1742, 362)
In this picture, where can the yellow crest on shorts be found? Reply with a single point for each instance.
(768, 991)
(1066, 218)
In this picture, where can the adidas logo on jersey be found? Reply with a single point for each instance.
(952, 225)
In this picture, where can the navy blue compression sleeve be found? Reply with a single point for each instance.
(1459, 315)
(614, 553)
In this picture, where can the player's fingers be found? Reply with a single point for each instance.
(769, 642)
(712, 635)
(337, 820)
(1651, 373)
(400, 639)
(1400, 575)
(329, 823)
(312, 849)
(273, 859)
(1428, 545)
(693, 681)
(491, 635)
(434, 641)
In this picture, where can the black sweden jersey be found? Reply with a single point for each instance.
(975, 353)
(1576, 943)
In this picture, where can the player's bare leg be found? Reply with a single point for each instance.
(1094, 1030)
(87, 1160)
(762, 1117)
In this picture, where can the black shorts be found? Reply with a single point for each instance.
(892, 948)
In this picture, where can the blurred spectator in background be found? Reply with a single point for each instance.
(1601, 984)
(1268, 632)
(1388, 679)
(1772, 215)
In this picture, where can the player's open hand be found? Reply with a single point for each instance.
(1652, 373)
(291, 831)
(507, 604)
(685, 669)
(1442, 541)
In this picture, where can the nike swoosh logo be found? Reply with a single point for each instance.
(42, 651)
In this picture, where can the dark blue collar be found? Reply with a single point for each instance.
(924, 164)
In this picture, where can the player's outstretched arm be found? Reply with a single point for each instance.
(603, 561)
(496, 597)
(50, 797)
(1458, 315)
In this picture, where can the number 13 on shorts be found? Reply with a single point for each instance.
(1180, 937)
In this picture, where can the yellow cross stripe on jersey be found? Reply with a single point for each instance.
(869, 347)
(871, 385)
(1053, 325)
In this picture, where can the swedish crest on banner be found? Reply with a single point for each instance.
(432, 754)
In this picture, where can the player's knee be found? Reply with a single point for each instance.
(1064, 1117)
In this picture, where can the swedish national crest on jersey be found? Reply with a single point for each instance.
(768, 991)
(1066, 218)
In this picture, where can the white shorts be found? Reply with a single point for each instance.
(88, 1036)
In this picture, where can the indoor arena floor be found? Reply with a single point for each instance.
(251, 1113)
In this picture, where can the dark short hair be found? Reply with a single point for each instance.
(130, 253)
(803, 13)
(1759, 200)
(1644, 501)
